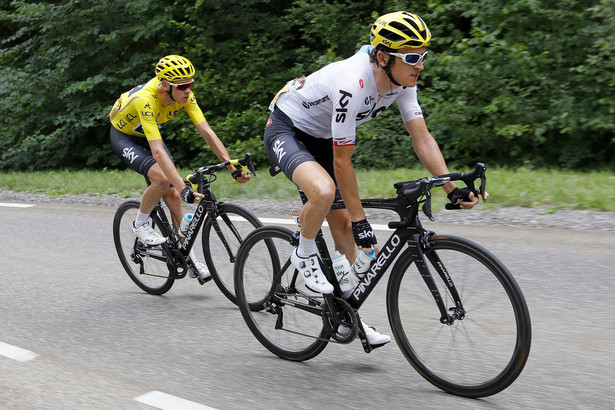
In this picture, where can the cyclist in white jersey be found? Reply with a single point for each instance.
(311, 135)
(334, 100)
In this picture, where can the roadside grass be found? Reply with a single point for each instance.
(553, 189)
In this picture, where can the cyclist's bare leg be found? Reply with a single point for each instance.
(174, 203)
(159, 184)
(341, 230)
(319, 188)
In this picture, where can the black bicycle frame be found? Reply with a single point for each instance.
(408, 231)
(197, 221)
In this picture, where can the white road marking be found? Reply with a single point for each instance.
(167, 402)
(16, 353)
(290, 221)
(11, 205)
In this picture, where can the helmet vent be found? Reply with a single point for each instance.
(391, 36)
(404, 29)
(413, 44)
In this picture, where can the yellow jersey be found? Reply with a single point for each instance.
(140, 112)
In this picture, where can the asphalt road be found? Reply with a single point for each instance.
(76, 333)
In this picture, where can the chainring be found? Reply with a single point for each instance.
(350, 320)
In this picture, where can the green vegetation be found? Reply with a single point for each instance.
(507, 82)
(525, 188)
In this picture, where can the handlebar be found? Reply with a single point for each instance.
(245, 163)
(414, 190)
(468, 178)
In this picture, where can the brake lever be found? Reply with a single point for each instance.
(483, 181)
(247, 165)
(427, 206)
(194, 181)
(251, 168)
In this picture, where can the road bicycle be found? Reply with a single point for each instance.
(155, 268)
(455, 310)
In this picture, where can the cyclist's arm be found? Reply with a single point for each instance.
(429, 153)
(211, 138)
(347, 181)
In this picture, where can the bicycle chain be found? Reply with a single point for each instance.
(336, 337)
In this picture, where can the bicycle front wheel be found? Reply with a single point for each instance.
(280, 311)
(145, 265)
(481, 352)
(222, 237)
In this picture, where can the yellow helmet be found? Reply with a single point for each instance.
(398, 30)
(174, 68)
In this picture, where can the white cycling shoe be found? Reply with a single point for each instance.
(200, 270)
(376, 339)
(147, 235)
(310, 271)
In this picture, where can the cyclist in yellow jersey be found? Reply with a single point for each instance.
(136, 119)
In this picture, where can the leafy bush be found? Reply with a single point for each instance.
(506, 82)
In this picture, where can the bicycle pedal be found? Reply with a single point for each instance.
(378, 345)
(204, 281)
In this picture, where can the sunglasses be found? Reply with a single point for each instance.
(411, 58)
(182, 87)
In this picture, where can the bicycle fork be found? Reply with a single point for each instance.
(417, 244)
(221, 236)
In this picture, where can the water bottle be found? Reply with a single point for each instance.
(185, 225)
(363, 262)
(344, 276)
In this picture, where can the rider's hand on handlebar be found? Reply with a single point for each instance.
(189, 196)
(464, 197)
(240, 176)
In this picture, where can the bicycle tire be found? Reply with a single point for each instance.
(219, 258)
(155, 277)
(479, 355)
(283, 328)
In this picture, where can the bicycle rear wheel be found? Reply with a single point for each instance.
(221, 239)
(287, 321)
(145, 265)
(479, 354)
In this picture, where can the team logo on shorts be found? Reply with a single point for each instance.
(361, 83)
(268, 122)
(279, 150)
(129, 154)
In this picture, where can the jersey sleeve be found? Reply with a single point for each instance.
(408, 104)
(194, 111)
(147, 116)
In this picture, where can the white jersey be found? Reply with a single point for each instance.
(333, 101)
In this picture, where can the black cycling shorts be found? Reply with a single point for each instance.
(134, 151)
(287, 146)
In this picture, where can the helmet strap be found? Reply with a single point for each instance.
(387, 70)
(170, 93)
(387, 67)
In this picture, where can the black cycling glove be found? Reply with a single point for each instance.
(363, 234)
(188, 195)
(236, 174)
(458, 195)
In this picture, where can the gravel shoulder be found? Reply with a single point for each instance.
(537, 217)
